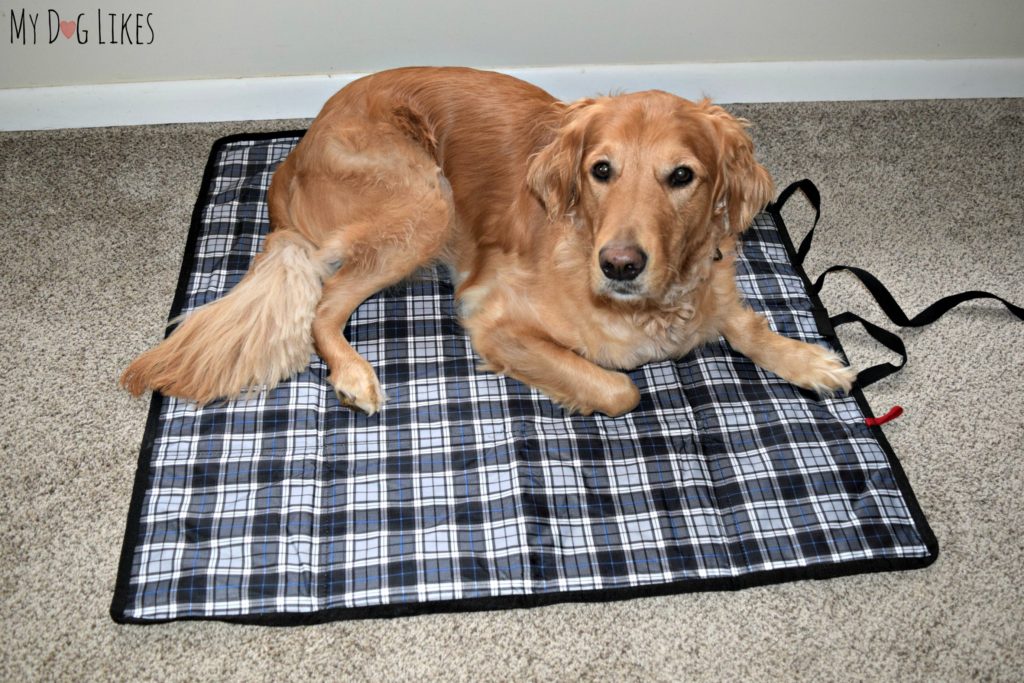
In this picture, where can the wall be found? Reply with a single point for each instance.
(190, 39)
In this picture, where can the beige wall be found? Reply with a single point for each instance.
(192, 39)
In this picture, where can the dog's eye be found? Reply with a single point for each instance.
(680, 177)
(601, 171)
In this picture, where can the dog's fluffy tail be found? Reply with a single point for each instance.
(256, 335)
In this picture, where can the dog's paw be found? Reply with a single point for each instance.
(618, 398)
(623, 398)
(822, 371)
(359, 389)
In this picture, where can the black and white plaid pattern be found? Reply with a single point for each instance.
(468, 485)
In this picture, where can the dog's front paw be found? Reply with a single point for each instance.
(821, 370)
(358, 388)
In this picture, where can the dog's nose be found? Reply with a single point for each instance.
(622, 261)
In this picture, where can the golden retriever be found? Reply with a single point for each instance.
(583, 239)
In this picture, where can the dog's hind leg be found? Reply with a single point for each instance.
(408, 237)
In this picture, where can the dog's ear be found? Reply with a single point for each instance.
(743, 187)
(554, 172)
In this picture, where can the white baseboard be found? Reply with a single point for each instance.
(302, 96)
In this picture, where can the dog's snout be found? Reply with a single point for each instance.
(622, 261)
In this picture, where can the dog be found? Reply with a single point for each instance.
(584, 239)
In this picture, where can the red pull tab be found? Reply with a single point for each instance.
(895, 412)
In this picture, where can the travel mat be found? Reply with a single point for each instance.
(472, 491)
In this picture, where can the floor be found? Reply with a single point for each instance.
(928, 195)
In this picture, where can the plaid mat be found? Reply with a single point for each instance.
(471, 491)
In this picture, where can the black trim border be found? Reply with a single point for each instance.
(760, 578)
(828, 331)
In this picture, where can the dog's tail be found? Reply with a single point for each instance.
(256, 335)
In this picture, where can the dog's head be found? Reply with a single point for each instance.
(656, 181)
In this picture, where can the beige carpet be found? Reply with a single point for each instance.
(928, 195)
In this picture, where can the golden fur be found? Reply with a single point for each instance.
(507, 186)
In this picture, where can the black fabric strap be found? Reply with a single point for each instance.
(869, 376)
(895, 313)
(881, 294)
(810, 191)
